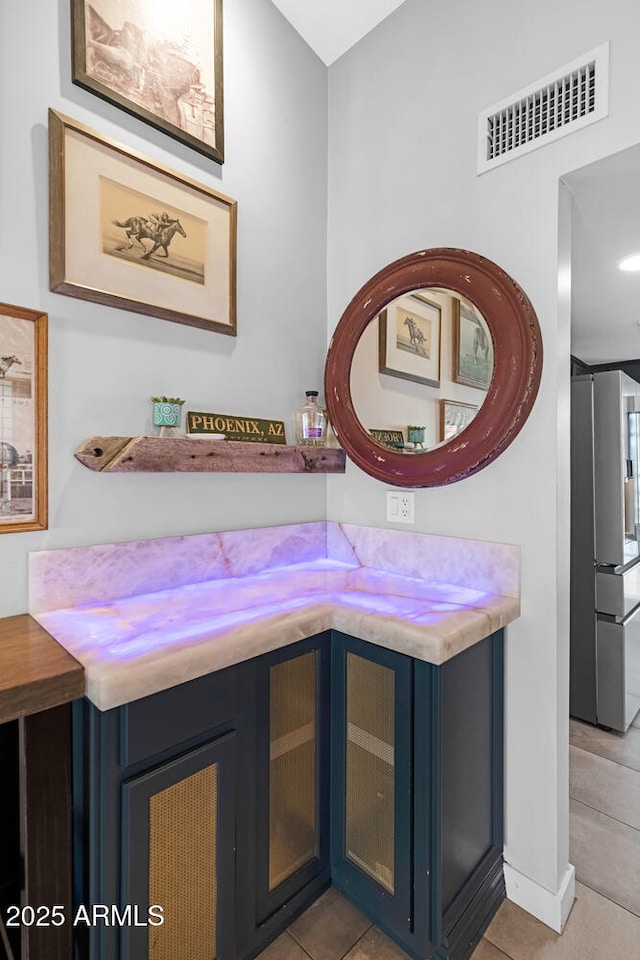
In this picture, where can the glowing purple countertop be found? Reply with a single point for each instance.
(142, 617)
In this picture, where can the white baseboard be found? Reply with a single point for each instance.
(551, 908)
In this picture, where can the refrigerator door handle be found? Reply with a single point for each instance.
(630, 615)
(612, 618)
(613, 569)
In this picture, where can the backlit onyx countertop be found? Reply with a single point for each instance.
(35, 671)
(144, 616)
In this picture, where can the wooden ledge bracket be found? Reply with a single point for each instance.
(189, 455)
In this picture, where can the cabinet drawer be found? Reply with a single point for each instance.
(164, 720)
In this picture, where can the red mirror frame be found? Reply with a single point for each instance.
(517, 348)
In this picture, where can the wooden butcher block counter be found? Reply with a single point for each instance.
(36, 673)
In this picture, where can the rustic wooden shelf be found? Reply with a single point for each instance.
(190, 455)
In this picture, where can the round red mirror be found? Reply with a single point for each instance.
(384, 375)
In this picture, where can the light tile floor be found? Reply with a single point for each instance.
(604, 923)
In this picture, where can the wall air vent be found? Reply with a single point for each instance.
(566, 100)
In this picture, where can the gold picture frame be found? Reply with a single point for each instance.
(23, 419)
(409, 339)
(165, 68)
(127, 232)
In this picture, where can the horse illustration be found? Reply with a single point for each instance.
(416, 336)
(480, 344)
(161, 233)
(6, 362)
(164, 236)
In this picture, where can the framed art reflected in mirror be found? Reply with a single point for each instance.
(472, 347)
(409, 340)
(454, 417)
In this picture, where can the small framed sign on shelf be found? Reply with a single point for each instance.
(250, 429)
(394, 439)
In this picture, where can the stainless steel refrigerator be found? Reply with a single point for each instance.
(605, 549)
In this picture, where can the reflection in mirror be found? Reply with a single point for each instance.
(505, 381)
(421, 370)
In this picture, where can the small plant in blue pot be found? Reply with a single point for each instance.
(167, 412)
(415, 435)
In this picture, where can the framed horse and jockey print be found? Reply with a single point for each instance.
(23, 419)
(409, 339)
(161, 62)
(127, 232)
(472, 346)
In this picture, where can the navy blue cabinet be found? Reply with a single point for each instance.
(177, 845)
(282, 816)
(233, 800)
(208, 800)
(372, 844)
(417, 792)
(292, 766)
(155, 797)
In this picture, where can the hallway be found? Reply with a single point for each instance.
(604, 923)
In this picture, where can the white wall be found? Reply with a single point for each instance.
(403, 108)
(104, 364)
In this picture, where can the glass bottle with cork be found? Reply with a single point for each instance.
(311, 422)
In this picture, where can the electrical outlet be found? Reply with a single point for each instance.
(400, 507)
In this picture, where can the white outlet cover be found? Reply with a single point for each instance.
(400, 507)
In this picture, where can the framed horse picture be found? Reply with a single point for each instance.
(472, 346)
(161, 62)
(409, 339)
(23, 419)
(127, 232)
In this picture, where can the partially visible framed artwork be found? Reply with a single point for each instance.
(161, 62)
(409, 339)
(454, 417)
(472, 346)
(23, 419)
(127, 232)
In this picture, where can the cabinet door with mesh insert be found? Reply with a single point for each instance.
(292, 757)
(372, 856)
(369, 819)
(178, 855)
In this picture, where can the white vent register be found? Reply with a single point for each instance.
(573, 96)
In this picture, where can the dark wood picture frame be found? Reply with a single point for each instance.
(152, 78)
(405, 360)
(101, 195)
(23, 453)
